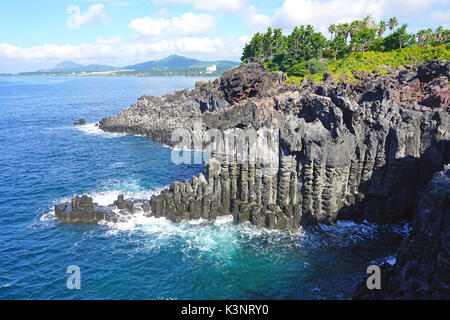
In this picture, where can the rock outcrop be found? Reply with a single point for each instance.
(337, 150)
(83, 209)
(80, 122)
(358, 151)
(158, 117)
(422, 268)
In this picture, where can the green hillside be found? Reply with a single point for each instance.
(173, 65)
(179, 62)
(373, 61)
(361, 45)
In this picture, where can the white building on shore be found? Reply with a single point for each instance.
(210, 69)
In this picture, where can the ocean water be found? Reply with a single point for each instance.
(44, 159)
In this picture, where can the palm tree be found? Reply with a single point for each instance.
(355, 26)
(332, 30)
(381, 28)
(393, 23)
(345, 30)
(439, 31)
(421, 37)
(368, 22)
(429, 35)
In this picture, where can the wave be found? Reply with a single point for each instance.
(223, 236)
(94, 129)
(129, 188)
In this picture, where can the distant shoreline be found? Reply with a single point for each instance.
(111, 76)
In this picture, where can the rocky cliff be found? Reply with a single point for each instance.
(362, 150)
(422, 268)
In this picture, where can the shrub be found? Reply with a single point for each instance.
(315, 66)
(298, 70)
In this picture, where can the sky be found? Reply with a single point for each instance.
(39, 34)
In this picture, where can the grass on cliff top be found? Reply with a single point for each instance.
(384, 62)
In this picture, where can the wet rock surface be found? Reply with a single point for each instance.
(83, 209)
(80, 122)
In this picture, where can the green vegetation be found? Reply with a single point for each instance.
(154, 72)
(358, 45)
(375, 61)
(173, 65)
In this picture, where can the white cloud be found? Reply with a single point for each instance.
(440, 16)
(94, 14)
(322, 13)
(256, 21)
(114, 50)
(188, 24)
(215, 5)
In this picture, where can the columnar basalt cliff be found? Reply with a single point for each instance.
(361, 150)
(422, 269)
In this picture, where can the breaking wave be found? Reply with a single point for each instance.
(94, 129)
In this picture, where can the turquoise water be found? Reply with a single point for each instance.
(45, 160)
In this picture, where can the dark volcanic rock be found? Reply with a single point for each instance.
(82, 209)
(433, 70)
(360, 151)
(422, 269)
(80, 122)
(336, 150)
(158, 117)
(251, 80)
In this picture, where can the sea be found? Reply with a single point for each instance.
(45, 160)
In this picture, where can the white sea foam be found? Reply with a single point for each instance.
(224, 219)
(94, 129)
(117, 165)
(391, 259)
(222, 235)
(130, 189)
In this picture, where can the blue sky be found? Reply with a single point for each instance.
(39, 34)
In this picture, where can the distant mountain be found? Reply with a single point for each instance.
(67, 65)
(169, 66)
(70, 66)
(176, 61)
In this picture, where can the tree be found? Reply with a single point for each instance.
(399, 39)
(381, 28)
(368, 22)
(439, 32)
(403, 37)
(393, 23)
(332, 30)
(344, 30)
(429, 35)
(268, 44)
(363, 39)
(254, 50)
(338, 46)
(421, 37)
(279, 39)
(446, 35)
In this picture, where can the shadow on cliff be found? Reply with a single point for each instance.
(392, 191)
